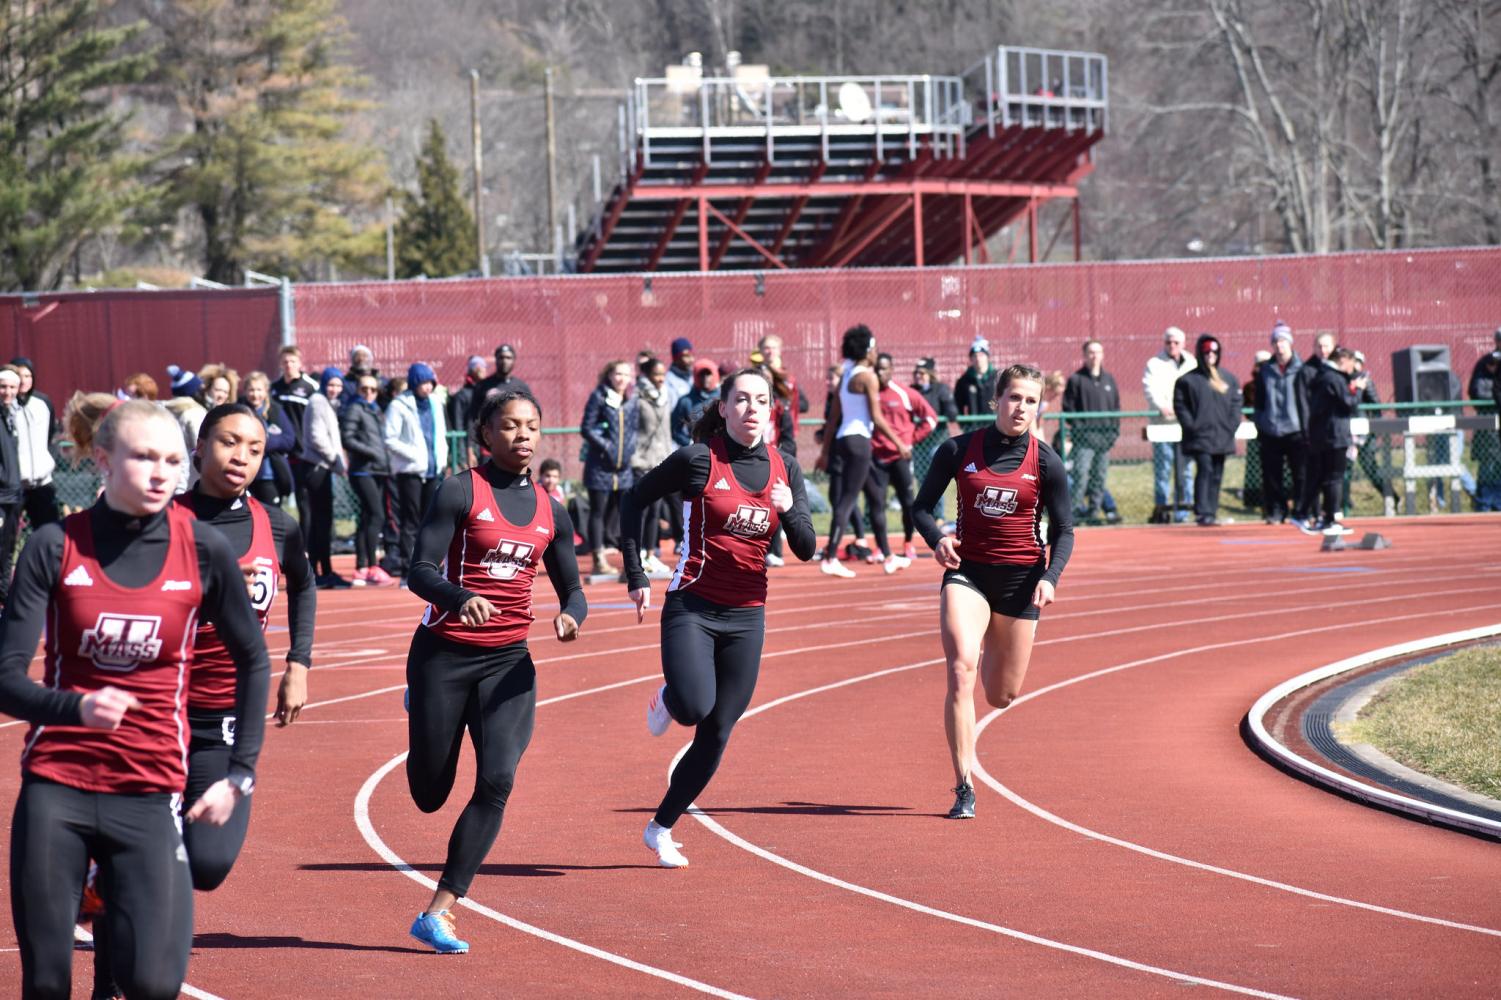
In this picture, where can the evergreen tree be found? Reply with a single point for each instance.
(435, 236)
(63, 176)
(265, 162)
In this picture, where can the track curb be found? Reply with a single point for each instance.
(1272, 748)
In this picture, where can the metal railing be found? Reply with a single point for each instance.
(1041, 88)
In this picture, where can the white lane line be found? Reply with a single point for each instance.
(1049, 817)
(1011, 932)
(367, 830)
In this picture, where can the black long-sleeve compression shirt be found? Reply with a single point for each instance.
(1002, 454)
(517, 498)
(686, 472)
(132, 551)
(232, 518)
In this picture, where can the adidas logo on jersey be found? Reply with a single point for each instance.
(721, 485)
(177, 585)
(78, 578)
(484, 515)
(971, 468)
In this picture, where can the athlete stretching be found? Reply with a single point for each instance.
(736, 491)
(996, 580)
(469, 666)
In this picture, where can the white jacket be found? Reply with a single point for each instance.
(404, 439)
(321, 445)
(33, 421)
(1158, 379)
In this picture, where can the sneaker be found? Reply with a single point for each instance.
(655, 568)
(602, 565)
(833, 567)
(1305, 526)
(331, 581)
(377, 577)
(1112, 517)
(659, 839)
(909, 552)
(436, 931)
(657, 716)
(895, 564)
(775, 561)
(964, 801)
(361, 578)
(875, 558)
(1338, 529)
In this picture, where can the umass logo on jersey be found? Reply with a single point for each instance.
(749, 521)
(508, 558)
(996, 501)
(122, 642)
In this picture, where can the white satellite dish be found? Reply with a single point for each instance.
(854, 105)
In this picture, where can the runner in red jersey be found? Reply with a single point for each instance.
(120, 588)
(911, 419)
(997, 580)
(736, 492)
(469, 666)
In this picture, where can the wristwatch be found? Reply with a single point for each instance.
(244, 784)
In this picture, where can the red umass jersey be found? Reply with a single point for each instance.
(726, 532)
(997, 522)
(211, 683)
(910, 417)
(496, 560)
(136, 639)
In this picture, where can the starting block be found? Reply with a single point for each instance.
(1371, 541)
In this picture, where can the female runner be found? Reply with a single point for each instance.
(736, 491)
(855, 412)
(996, 581)
(469, 666)
(120, 587)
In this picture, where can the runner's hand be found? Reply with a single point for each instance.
(476, 611)
(781, 496)
(947, 552)
(216, 805)
(566, 628)
(642, 599)
(292, 694)
(103, 709)
(1043, 595)
(905, 449)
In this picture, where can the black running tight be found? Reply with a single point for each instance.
(370, 491)
(491, 692)
(852, 455)
(143, 880)
(711, 656)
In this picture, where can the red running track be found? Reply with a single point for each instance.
(1128, 842)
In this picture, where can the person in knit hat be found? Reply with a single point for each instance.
(184, 383)
(1207, 404)
(463, 404)
(1281, 426)
(417, 441)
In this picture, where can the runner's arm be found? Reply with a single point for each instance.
(685, 472)
(1055, 500)
(449, 508)
(940, 473)
(21, 629)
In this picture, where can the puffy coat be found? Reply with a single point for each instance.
(1331, 404)
(405, 442)
(654, 426)
(365, 439)
(609, 431)
(1208, 417)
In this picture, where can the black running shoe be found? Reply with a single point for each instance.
(964, 802)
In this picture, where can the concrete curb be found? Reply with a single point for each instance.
(1274, 749)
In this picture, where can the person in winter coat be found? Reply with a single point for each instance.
(976, 387)
(1092, 389)
(274, 480)
(609, 430)
(463, 406)
(362, 428)
(10, 473)
(1333, 398)
(653, 445)
(1207, 404)
(322, 455)
(1281, 423)
(417, 441)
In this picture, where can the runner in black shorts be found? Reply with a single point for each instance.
(997, 580)
(120, 587)
(736, 491)
(469, 666)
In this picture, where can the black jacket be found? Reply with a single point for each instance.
(1331, 404)
(10, 459)
(362, 431)
(941, 399)
(973, 392)
(1086, 393)
(1208, 418)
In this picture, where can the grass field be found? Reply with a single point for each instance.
(1443, 718)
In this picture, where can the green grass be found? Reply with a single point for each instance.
(1443, 719)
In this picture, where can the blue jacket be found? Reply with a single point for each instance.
(1279, 404)
(609, 442)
